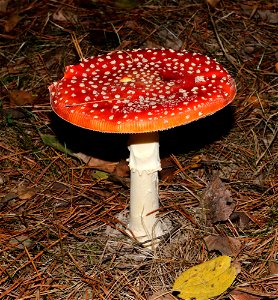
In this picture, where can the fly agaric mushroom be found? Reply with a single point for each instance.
(141, 92)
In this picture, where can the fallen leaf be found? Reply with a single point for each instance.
(10, 196)
(25, 192)
(125, 4)
(103, 165)
(20, 242)
(276, 67)
(225, 244)
(3, 179)
(250, 294)
(64, 16)
(169, 39)
(213, 3)
(273, 268)
(59, 187)
(240, 218)
(257, 102)
(52, 141)
(268, 16)
(7, 200)
(82, 156)
(217, 201)
(3, 5)
(97, 163)
(122, 169)
(273, 271)
(167, 174)
(205, 280)
(11, 22)
(238, 295)
(13, 113)
(253, 293)
(99, 174)
(161, 295)
(249, 49)
(21, 98)
(169, 169)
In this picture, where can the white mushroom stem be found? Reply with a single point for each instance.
(144, 163)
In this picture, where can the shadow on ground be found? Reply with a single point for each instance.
(113, 147)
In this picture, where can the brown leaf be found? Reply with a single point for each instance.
(119, 168)
(102, 165)
(21, 98)
(93, 162)
(160, 295)
(125, 4)
(169, 39)
(240, 218)
(13, 113)
(273, 268)
(64, 16)
(268, 16)
(226, 245)
(217, 201)
(11, 23)
(257, 102)
(168, 169)
(3, 179)
(167, 174)
(3, 5)
(249, 294)
(24, 192)
(276, 67)
(238, 295)
(213, 3)
(59, 187)
(20, 242)
(122, 169)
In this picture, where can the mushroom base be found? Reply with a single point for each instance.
(143, 223)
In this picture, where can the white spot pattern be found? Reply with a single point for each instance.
(127, 88)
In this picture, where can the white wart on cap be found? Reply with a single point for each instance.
(136, 91)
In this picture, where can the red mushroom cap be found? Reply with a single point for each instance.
(141, 90)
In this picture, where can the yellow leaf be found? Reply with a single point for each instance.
(206, 280)
(99, 175)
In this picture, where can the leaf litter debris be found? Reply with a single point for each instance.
(56, 206)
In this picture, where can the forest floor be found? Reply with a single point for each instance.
(61, 218)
